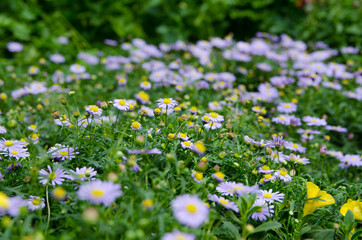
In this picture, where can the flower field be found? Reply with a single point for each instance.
(217, 139)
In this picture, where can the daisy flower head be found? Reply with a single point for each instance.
(77, 68)
(278, 156)
(17, 153)
(121, 104)
(84, 173)
(266, 178)
(227, 188)
(183, 136)
(263, 212)
(14, 46)
(177, 235)
(94, 110)
(294, 147)
(198, 176)
(270, 197)
(57, 58)
(187, 145)
(219, 176)
(62, 152)
(287, 107)
(10, 205)
(189, 210)
(199, 148)
(166, 103)
(146, 111)
(143, 97)
(265, 169)
(35, 203)
(53, 177)
(282, 175)
(223, 201)
(145, 85)
(313, 121)
(99, 192)
(32, 127)
(122, 81)
(212, 125)
(136, 126)
(215, 117)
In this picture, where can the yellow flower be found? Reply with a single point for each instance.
(316, 198)
(355, 207)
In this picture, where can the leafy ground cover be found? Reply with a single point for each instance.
(220, 139)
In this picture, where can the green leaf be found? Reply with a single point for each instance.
(234, 230)
(304, 230)
(349, 220)
(267, 227)
(325, 235)
(356, 234)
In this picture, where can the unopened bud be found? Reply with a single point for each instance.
(63, 101)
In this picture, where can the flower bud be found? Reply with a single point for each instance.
(71, 93)
(90, 215)
(63, 101)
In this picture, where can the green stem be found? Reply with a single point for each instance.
(48, 206)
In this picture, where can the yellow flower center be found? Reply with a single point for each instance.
(180, 238)
(200, 146)
(8, 143)
(267, 195)
(191, 208)
(36, 201)
(136, 125)
(59, 193)
(122, 80)
(32, 126)
(214, 115)
(144, 95)
(94, 108)
(13, 152)
(34, 136)
(219, 174)
(206, 118)
(131, 106)
(167, 100)
(224, 201)
(63, 153)
(81, 175)
(98, 192)
(295, 145)
(52, 176)
(287, 106)
(265, 168)
(198, 176)
(4, 200)
(283, 172)
(122, 102)
(183, 135)
(187, 143)
(267, 176)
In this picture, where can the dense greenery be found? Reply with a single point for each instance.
(89, 22)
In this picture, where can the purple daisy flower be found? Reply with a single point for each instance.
(56, 177)
(287, 107)
(263, 212)
(99, 192)
(270, 196)
(223, 201)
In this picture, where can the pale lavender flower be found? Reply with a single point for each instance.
(142, 151)
(121, 104)
(99, 192)
(313, 121)
(14, 47)
(294, 147)
(62, 152)
(224, 202)
(83, 173)
(177, 235)
(282, 175)
(264, 211)
(189, 210)
(166, 103)
(56, 177)
(77, 68)
(35, 203)
(270, 196)
(57, 58)
(287, 107)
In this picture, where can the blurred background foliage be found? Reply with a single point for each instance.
(38, 23)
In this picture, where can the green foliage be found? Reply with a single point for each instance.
(88, 22)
